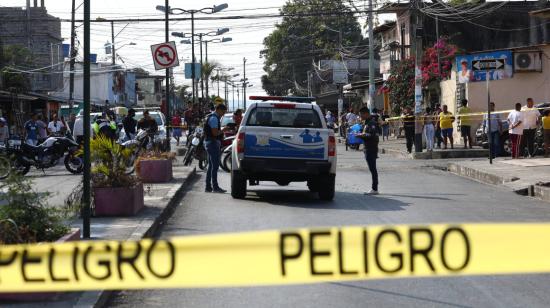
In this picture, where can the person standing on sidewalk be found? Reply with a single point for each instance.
(496, 130)
(385, 125)
(429, 129)
(31, 130)
(370, 139)
(465, 123)
(530, 123)
(445, 123)
(438, 137)
(515, 120)
(408, 126)
(546, 132)
(212, 143)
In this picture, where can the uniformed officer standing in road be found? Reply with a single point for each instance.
(105, 127)
(371, 139)
(213, 136)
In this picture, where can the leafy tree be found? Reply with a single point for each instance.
(15, 56)
(298, 41)
(207, 71)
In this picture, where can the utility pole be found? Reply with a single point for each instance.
(244, 83)
(113, 50)
(206, 60)
(371, 103)
(418, 33)
(192, 51)
(233, 88)
(72, 56)
(86, 209)
(202, 73)
(238, 98)
(167, 38)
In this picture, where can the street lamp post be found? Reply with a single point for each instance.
(201, 35)
(177, 11)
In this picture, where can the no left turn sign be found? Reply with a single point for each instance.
(165, 55)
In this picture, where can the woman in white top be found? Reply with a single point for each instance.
(515, 121)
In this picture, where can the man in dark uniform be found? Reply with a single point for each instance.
(370, 137)
(409, 126)
(129, 124)
(212, 142)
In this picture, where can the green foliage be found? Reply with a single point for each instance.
(109, 163)
(298, 41)
(16, 56)
(26, 218)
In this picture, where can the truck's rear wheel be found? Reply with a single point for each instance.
(238, 185)
(327, 188)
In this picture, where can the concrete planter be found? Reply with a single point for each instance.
(119, 201)
(72, 236)
(155, 171)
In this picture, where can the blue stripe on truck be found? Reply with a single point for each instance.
(274, 148)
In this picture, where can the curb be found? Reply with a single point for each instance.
(146, 228)
(479, 176)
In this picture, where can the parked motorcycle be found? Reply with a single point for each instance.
(22, 156)
(225, 157)
(196, 150)
(144, 141)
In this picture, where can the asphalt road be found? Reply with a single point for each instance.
(411, 192)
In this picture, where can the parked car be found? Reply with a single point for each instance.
(505, 145)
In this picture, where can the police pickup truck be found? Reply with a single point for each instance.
(284, 139)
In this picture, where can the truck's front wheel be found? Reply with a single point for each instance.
(327, 188)
(238, 185)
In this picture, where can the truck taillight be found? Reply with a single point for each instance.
(240, 143)
(331, 146)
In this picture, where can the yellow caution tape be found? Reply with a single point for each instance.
(278, 257)
(471, 114)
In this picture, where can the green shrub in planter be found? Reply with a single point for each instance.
(25, 216)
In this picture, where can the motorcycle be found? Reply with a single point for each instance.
(22, 156)
(196, 150)
(225, 157)
(144, 140)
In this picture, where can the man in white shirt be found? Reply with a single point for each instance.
(530, 123)
(55, 126)
(515, 120)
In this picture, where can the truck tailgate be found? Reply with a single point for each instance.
(286, 143)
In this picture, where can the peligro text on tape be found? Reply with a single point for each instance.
(278, 257)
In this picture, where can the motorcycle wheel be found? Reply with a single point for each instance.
(227, 162)
(131, 165)
(74, 164)
(188, 159)
(5, 167)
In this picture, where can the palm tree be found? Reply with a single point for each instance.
(207, 71)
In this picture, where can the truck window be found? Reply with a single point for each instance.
(280, 117)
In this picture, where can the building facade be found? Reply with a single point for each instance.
(40, 32)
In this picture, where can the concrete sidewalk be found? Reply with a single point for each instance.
(397, 147)
(160, 201)
(524, 176)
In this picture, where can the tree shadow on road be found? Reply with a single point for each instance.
(342, 200)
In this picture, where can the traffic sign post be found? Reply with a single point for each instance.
(165, 55)
(488, 65)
